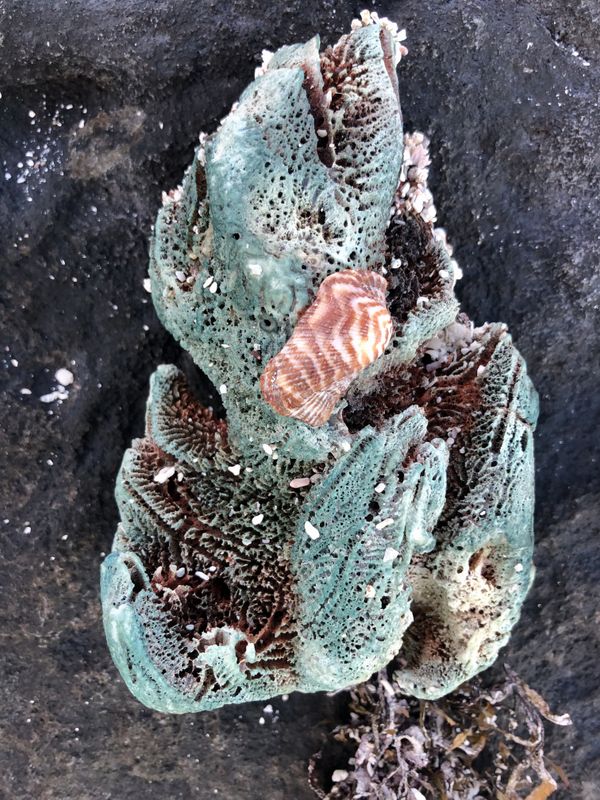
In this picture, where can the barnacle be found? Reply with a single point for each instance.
(258, 553)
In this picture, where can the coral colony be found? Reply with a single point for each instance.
(369, 491)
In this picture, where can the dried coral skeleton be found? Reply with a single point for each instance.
(260, 554)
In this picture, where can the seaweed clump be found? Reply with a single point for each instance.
(484, 740)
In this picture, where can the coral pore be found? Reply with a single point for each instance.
(369, 492)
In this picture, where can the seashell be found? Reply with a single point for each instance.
(346, 328)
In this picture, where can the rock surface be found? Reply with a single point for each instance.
(108, 98)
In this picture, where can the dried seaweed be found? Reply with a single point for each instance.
(479, 742)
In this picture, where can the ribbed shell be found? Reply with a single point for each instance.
(346, 328)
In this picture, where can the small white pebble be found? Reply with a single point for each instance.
(268, 449)
(180, 572)
(480, 370)
(64, 537)
(261, 720)
(189, 627)
(164, 474)
(202, 575)
(310, 529)
(223, 388)
(14, 362)
(299, 483)
(31, 114)
(213, 287)
(148, 285)
(370, 592)
(268, 709)
(385, 523)
(518, 567)
(52, 396)
(258, 519)
(64, 376)
(390, 554)
(235, 469)
(207, 282)
(27, 529)
(380, 488)
(25, 391)
(339, 775)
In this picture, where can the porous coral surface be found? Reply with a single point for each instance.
(257, 554)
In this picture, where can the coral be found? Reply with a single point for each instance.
(259, 554)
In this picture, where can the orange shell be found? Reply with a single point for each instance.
(346, 328)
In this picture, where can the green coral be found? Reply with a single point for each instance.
(257, 555)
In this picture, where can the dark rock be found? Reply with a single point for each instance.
(508, 95)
